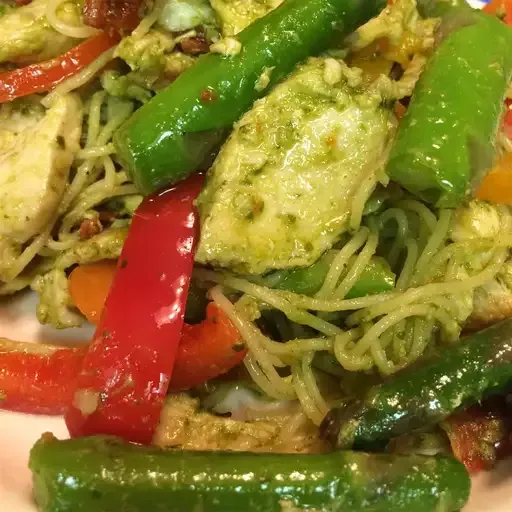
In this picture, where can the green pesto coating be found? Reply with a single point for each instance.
(427, 392)
(377, 277)
(446, 141)
(436, 8)
(169, 137)
(100, 473)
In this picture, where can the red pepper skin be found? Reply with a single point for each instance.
(37, 379)
(44, 76)
(501, 8)
(40, 379)
(207, 350)
(119, 16)
(126, 372)
(481, 435)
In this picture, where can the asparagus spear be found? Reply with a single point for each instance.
(169, 137)
(426, 393)
(446, 141)
(102, 473)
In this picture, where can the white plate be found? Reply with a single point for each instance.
(18, 432)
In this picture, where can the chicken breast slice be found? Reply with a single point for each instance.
(34, 169)
(26, 36)
(491, 302)
(282, 189)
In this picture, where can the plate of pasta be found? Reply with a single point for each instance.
(255, 255)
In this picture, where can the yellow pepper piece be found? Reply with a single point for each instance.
(497, 185)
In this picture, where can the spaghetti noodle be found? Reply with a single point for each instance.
(388, 331)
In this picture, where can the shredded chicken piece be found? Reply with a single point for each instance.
(183, 425)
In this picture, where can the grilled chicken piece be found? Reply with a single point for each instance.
(492, 302)
(34, 167)
(26, 36)
(282, 189)
(183, 425)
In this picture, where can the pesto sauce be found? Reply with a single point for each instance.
(235, 15)
(280, 192)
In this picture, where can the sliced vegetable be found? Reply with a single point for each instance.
(44, 76)
(445, 144)
(207, 350)
(426, 393)
(40, 379)
(119, 16)
(399, 109)
(501, 8)
(480, 435)
(127, 369)
(497, 185)
(104, 473)
(170, 136)
(377, 277)
(89, 286)
(37, 379)
(306, 281)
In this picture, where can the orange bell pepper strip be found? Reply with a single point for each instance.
(497, 185)
(89, 286)
(206, 350)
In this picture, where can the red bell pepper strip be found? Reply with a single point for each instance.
(44, 76)
(40, 379)
(207, 350)
(127, 369)
(502, 8)
(119, 16)
(480, 435)
(36, 378)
